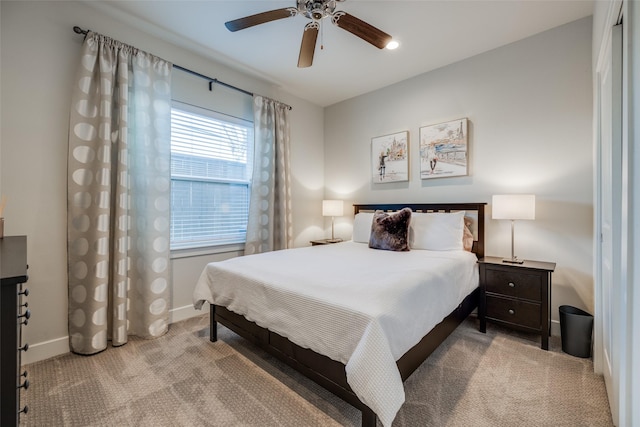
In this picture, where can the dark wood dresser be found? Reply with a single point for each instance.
(516, 295)
(13, 315)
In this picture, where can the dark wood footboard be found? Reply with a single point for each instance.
(329, 373)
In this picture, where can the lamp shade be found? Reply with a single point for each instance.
(332, 208)
(513, 206)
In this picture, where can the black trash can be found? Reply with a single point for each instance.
(576, 329)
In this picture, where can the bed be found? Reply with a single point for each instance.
(358, 326)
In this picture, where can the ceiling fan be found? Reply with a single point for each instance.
(316, 10)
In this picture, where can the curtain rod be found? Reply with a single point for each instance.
(211, 80)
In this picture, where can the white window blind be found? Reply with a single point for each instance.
(210, 174)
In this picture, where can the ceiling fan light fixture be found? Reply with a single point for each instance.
(392, 45)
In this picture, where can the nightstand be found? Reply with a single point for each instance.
(516, 295)
(325, 241)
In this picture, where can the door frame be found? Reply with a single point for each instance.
(609, 308)
(626, 317)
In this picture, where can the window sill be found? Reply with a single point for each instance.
(208, 250)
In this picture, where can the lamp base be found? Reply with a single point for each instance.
(513, 260)
(336, 240)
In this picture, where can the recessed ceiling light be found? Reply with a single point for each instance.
(392, 45)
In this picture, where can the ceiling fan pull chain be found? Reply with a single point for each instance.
(321, 37)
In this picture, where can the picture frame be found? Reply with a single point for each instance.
(444, 149)
(390, 158)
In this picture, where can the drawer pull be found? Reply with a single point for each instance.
(24, 347)
(26, 314)
(24, 410)
(511, 311)
(512, 285)
(25, 292)
(24, 385)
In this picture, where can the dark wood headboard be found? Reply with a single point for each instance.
(478, 243)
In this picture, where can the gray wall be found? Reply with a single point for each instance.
(529, 106)
(40, 53)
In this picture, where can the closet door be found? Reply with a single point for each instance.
(612, 313)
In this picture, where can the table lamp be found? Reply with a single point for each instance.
(333, 208)
(512, 207)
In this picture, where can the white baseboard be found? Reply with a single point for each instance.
(186, 312)
(55, 347)
(45, 350)
(555, 328)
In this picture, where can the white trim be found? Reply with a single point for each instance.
(613, 14)
(555, 328)
(631, 114)
(610, 291)
(598, 348)
(59, 346)
(182, 313)
(208, 250)
(620, 224)
(627, 297)
(212, 114)
(46, 350)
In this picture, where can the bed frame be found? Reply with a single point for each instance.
(329, 373)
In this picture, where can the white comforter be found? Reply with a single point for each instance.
(360, 306)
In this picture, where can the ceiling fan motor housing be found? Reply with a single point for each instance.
(316, 9)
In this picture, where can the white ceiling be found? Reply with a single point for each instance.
(431, 33)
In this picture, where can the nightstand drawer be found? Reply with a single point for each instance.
(515, 284)
(514, 311)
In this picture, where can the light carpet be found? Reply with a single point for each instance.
(500, 378)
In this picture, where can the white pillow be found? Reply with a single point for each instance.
(437, 231)
(362, 227)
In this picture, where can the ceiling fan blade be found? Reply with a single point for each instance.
(260, 18)
(358, 27)
(308, 45)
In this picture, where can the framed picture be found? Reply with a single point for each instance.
(390, 157)
(443, 150)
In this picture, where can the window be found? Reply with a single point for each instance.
(210, 175)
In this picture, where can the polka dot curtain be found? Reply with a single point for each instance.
(118, 196)
(270, 226)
